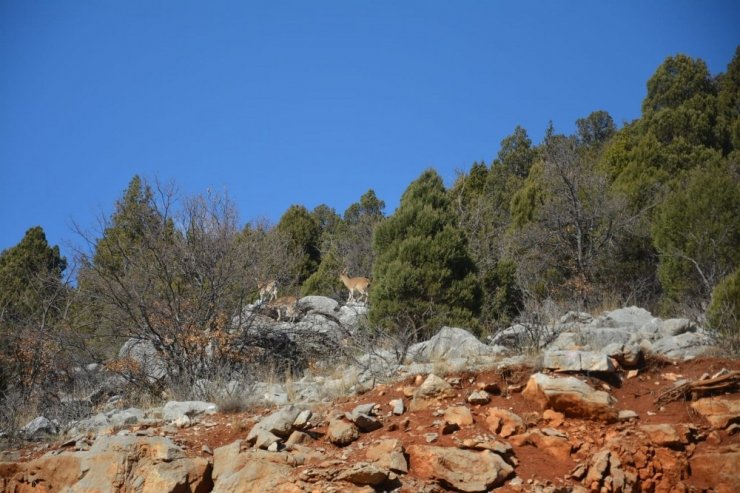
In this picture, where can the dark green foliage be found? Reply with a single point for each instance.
(696, 231)
(304, 236)
(723, 314)
(30, 273)
(348, 244)
(325, 281)
(676, 81)
(423, 276)
(502, 298)
(134, 219)
(328, 221)
(33, 298)
(728, 107)
(516, 154)
(596, 129)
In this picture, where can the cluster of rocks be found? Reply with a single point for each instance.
(376, 446)
(436, 434)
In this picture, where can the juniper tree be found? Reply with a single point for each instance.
(423, 276)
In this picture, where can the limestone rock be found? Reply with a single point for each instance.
(682, 347)
(398, 407)
(363, 473)
(341, 432)
(719, 411)
(319, 303)
(570, 396)
(388, 454)
(233, 468)
(663, 435)
(554, 445)
(40, 426)
(581, 361)
(479, 397)
(462, 470)
(432, 388)
(279, 423)
(147, 464)
(451, 343)
(175, 409)
(720, 467)
(458, 415)
(504, 422)
(143, 352)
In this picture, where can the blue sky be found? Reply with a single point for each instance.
(301, 102)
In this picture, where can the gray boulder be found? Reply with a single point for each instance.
(40, 426)
(580, 361)
(570, 396)
(451, 343)
(682, 347)
(318, 304)
(632, 316)
(352, 314)
(676, 326)
(512, 337)
(125, 417)
(279, 424)
(176, 409)
(146, 355)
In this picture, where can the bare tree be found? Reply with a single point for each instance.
(576, 228)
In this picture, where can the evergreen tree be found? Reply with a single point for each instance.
(696, 231)
(348, 245)
(723, 314)
(30, 273)
(304, 234)
(32, 302)
(423, 275)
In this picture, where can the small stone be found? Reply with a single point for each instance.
(479, 397)
(273, 447)
(206, 450)
(555, 418)
(632, 373)
(301, 421)
(431, 437)
(626, 415)
(398, 407)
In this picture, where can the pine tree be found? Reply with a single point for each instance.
(423, 276)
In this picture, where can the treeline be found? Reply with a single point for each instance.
(646, 214)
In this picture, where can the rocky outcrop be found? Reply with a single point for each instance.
(148, 464)
(452, 343)
(570, 396)
(718, 468)
(719, 411)
(462, 470)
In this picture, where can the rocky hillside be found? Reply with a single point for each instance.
(598, 410)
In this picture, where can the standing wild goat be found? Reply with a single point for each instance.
(359, 284)
(286, 307)
(267, 288)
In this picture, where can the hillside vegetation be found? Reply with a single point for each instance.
(647, 214)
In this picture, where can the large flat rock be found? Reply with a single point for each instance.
(571, 397)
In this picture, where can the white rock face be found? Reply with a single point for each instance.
(175, 409)
(451, 343)
(577, 361)
(319, 304)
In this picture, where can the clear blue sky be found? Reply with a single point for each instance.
(306, 102)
